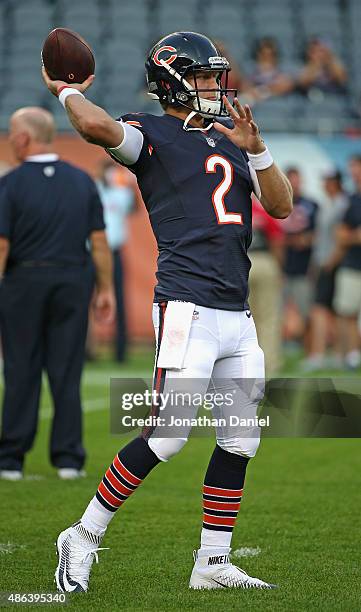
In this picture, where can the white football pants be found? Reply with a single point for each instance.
(222, 357)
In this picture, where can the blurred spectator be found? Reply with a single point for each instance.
(323, 71)
(326, 257)
(116, 190)
(265, 284)
(347, 300)
(267, 78)
(299, 238)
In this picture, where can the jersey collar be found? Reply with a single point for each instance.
(194, 129)
(42, 157)
(185, 122)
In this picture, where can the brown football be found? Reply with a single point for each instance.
(67, 56)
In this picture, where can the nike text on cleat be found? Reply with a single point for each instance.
(76, 555)
(214, 571)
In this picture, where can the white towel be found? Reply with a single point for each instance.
(177, 325)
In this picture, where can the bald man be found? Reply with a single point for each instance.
(48, 211)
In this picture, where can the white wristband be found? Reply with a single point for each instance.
(261, 161)
(68, 91)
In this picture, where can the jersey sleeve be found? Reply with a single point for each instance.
(5, 210)
(134, 151)
(96, 218)
(255, 183)
(252, 173)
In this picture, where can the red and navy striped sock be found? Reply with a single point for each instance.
(129, 468)
(222, 494)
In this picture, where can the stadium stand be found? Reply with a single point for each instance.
(120, 33)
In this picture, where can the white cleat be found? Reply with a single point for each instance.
(13, 475)
(70, 474)
(77, 549)
(215, 571)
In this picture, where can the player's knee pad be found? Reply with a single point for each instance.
(246, 447)
(166, 448)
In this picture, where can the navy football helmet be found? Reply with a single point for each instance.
(177, 58)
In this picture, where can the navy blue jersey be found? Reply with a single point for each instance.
(47, 211)
(352, 219)
(197, 188)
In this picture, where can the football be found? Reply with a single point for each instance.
(67, 56)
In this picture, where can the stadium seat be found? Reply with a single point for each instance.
(274, 105)
(271, 122)
(236, 46)
(232, 13)
(354, 10)
(231, 30)
(88, 26)
(25, 63)
(328, 106)
(275, 5)
(131, 26)
(92, 6)
(123, 8)
(12, 100)
(126, 53)
(174, 18)
(32, 15)
(268, 13)
(305, 5)
(121, 33)
(137, 9)
(323, 27)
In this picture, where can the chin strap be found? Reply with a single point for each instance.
(194, 129)
(207, 103)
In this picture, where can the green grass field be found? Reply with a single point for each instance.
(301, 508)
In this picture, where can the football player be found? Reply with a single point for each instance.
(197, 166)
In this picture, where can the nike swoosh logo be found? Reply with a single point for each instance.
(67, 583)
(248, 314)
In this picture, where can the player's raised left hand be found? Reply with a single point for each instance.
(245, 133)
(53, 86)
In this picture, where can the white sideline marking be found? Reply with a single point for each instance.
(34, 477)
(8, 548)
(246, 552)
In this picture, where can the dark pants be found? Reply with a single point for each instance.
(121, 331)
(43, 319)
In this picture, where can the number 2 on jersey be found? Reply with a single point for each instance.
(222, 189)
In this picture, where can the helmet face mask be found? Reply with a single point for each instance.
(212, 106)
(172, 68)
